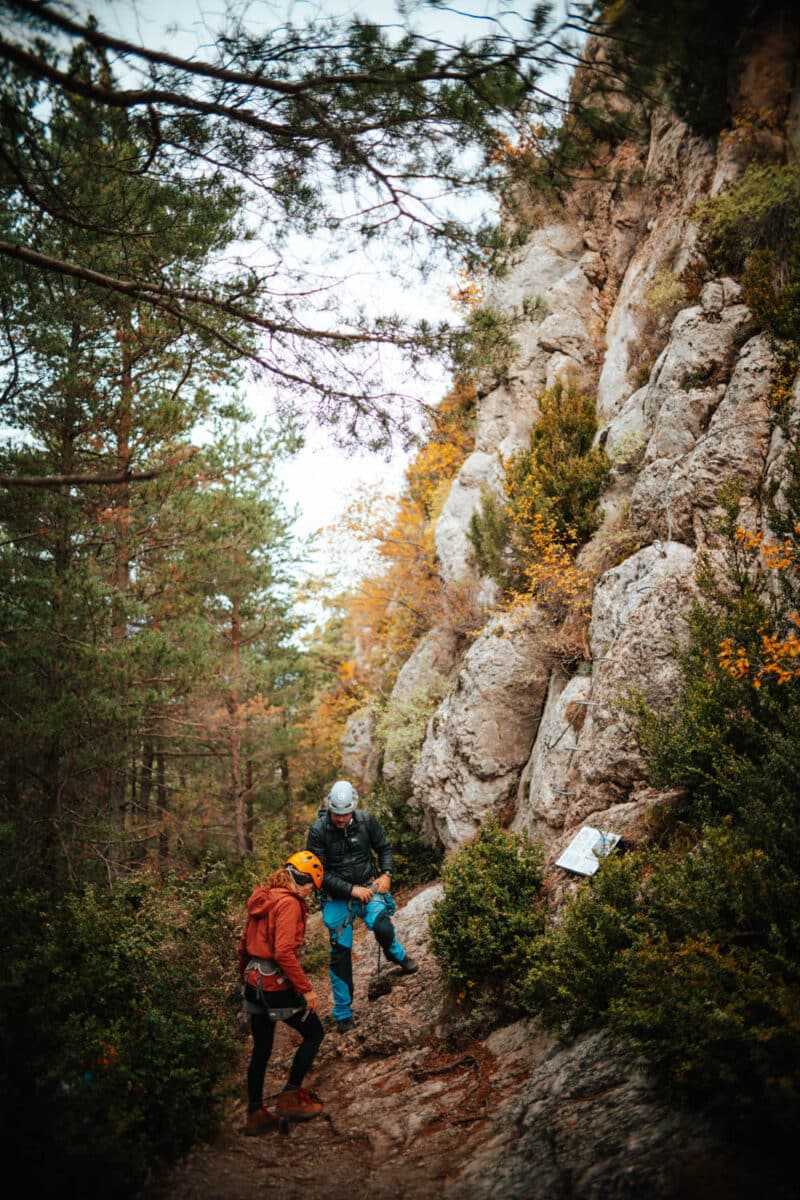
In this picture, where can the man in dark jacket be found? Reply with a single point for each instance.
(348, 843)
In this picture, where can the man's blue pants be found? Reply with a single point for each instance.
(339, 916)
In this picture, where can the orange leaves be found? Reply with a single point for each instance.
(778, 653)
(528, 146)
(782, 655)
(553, 577)
(733, 659)
(775, 556)
(347, 672)
(469, 291)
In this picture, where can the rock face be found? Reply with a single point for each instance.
(586, 1094)
(481, 735)
(682, 388)
(361, 756)
(585, 763)
(420, 684)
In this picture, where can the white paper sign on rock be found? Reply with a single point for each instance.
(587, 849)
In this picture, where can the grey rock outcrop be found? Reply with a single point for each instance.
(585, 761)
(420, 685)
(481, 735)
(674, 432)
(361, 755)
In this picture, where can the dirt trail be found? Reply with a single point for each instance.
(404, 1103)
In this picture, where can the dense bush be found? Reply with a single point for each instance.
(691, 950)
(115, 1028)
(575, 969)
(753, 229)
(556, 480)
(482, 929)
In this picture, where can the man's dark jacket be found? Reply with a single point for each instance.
(346, 854)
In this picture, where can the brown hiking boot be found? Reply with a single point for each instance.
(298, 1105)
(261, 1121)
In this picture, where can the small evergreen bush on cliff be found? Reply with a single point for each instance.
(753, 229)
(481, 931)
(556, 481)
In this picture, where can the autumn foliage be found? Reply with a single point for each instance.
(399, 594)
(528, 540)
(776, 653)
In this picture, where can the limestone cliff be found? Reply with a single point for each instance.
(682, 390)
(681, 408)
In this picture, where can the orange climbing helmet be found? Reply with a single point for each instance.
(305, 868)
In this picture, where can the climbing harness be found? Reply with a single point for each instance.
(267, 968)
(336, 933)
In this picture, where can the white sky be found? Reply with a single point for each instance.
(321, 479)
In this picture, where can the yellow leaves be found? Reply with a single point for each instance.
(469, 291)
(778, 654)
(553, 577)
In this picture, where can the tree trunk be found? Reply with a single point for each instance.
(235, 735)
(163, 805)
(145, 793)
(117, 755)
(52, 848)
(248, 808)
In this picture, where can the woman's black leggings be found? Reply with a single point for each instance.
(307, 1024)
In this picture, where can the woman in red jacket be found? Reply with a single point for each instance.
(276, 988)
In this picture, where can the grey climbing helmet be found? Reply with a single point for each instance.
(342, 798)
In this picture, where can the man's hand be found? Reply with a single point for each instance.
(363, 894)
(312, 1001)
(382, 885)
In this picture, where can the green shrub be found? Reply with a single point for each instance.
(483, 928)
(576, 968)
(722, 1025)
(731, 737)
(115, 1017)
(415, 860)
(753, 229)
(559, 476)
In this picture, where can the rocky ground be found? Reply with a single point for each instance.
(403, 1104)
(419, 1106)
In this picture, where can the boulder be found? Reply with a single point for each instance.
(481, 735)
(420, 685)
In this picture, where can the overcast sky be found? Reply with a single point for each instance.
(321, 480)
